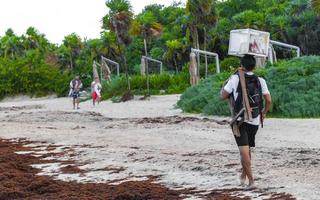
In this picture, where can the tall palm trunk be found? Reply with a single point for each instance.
(71, 63)
(205, 48)
(123, 57)
(146, 65)
(127, 74)
(198, 55)
(145, 47)
(124, 61)
(5, 53)
(175, 63)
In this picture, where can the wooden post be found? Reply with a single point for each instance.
(193, 69)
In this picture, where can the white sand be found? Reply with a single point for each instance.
(188, 154)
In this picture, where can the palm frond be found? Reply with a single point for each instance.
(316, 5)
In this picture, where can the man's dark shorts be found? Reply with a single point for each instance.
(247, 135)
(75, 94)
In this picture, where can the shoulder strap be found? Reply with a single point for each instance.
(242, 82)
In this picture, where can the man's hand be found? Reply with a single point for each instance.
(263, 115)
(268, 101)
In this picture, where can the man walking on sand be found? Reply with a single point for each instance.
(75, 86)
(257, 91)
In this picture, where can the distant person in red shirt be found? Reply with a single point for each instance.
(96, 91)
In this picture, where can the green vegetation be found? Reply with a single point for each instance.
(294, 85)
(159, 84)
(31, 76)
(165, 33)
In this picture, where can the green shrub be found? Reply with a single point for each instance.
(116, 87)
(171, 84)
(211, 69)
(294, 86)
(136, 68)
(230, 64)
(31, 76)
(204, 98)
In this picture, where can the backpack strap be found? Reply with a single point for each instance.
(246, 104)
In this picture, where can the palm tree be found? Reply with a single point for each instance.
(10, 44)
(109, 47)
(118, 20)
(174, 52)
(36, 40)
(147, 26)
(73, 45)
(316, 5)
(202, 15)
(95, 48)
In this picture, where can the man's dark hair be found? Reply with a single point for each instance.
(248, 62)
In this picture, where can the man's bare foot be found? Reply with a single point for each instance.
(251, 185)
(242, 179)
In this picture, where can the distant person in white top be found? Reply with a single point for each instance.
(257, 91)
(75, 86)
(96, 91)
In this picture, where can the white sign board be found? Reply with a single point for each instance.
(249, 41)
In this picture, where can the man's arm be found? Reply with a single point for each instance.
(227, 88)
(224, 94)
(268, 101)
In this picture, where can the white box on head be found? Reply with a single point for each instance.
(249, 41)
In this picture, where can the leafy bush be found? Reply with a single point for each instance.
(211, 69)
(169, 83)
(204, 98)
(230, 63)
(294, 86)
(31, 77)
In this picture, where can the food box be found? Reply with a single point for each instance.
(249, 41)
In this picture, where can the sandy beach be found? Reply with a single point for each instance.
(119, 142)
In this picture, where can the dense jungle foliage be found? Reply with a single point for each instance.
(30, 64)
(293, 84)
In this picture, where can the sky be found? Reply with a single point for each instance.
(58, 18)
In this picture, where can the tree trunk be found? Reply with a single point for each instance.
(205, 48)
(175, 64)
(194, 37)
(145, 47)
(71, 63)
(146, 65)
(198, 55)
(123, 57)
(127, 73)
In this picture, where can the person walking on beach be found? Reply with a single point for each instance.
(75, 86)
(248, 129)
(96, 91)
